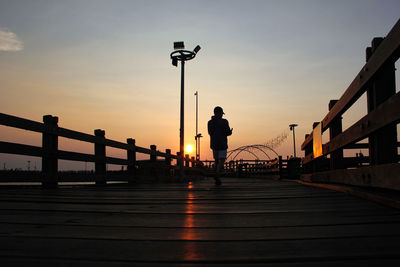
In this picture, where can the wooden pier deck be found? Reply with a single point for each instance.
(245, 222)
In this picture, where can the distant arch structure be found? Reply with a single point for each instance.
(252, 149)
(260, 149)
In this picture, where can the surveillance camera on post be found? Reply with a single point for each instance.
(180, 54)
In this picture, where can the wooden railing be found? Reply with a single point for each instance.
(278, 167)
(50, 153)
(377, 79)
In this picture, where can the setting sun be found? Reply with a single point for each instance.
(189, 148)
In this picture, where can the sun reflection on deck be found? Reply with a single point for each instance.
(188, 233)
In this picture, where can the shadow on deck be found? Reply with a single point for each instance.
(243, 222)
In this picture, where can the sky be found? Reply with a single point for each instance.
(100, 64)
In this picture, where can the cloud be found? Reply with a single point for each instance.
(9, 41)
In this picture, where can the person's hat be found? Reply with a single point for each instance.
(218, 109)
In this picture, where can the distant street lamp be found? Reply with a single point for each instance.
(198, 135)
(179, 54)
(294, 139)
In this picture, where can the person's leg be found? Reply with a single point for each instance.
(216, 174)
(216, 157)
(220, 165)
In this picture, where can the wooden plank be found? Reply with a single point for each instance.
(200, 200)
(214, 209)
(68, 155)
(227, 252)
(220, 221)
(347, 162)
(186, 233)
(388, 51)
(160, 154)
(170, 197)
(245, 208)
(143, 150)
(145, 195)
(117, 161)
(380, 176)
(20, 123)
(117, 144)
(71, 134)
(20, 149)
(95, 263)
(385, 114)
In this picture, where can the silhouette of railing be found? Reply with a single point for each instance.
(381, 167)
(50, 153)
(277, 168)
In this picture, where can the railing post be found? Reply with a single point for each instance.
(50, 148)
(186, 160)
(308, 149)
(168, 157)
(382, 143)
(280, 166)
(153, 153)
(239, 170)
(315, 166)
(336, 161)
(178, 162)
(131, 156)
(100, 157)
(193, 161)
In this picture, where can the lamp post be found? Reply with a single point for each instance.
(179, 54)
(294, 139)
(198, 135)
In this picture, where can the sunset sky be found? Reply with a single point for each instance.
(106, 64)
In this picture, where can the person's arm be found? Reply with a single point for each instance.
(228, 130)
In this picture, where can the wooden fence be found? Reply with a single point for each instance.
(50, 153)
(325, 162)
(277, 168)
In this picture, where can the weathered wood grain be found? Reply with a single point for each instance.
(242, 223)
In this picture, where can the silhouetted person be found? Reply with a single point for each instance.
(219, 130)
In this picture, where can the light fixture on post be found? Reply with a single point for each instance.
(182, 55)
(294, 139)
(197, 138)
